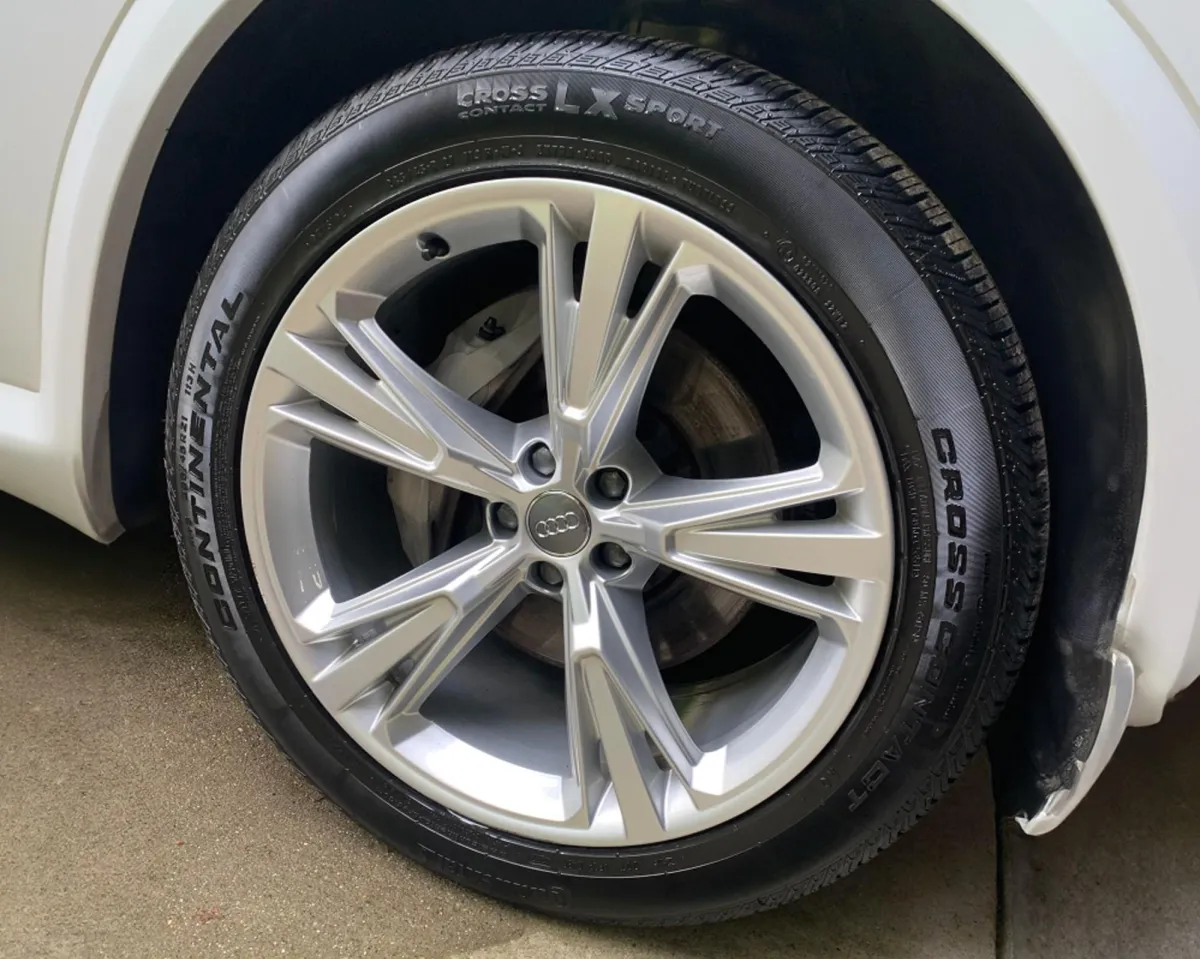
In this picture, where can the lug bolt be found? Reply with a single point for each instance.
(614, 557)
(505, 516)
(549, 575)
(612, 484)
(542, 461)
(432, 246)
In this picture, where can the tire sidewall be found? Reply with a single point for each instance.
(857, 279)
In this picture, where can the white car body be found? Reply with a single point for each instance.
(90, 89)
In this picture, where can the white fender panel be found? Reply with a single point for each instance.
(1137, 149)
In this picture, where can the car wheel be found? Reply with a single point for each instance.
(610, 475)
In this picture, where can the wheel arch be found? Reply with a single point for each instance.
(142, 204)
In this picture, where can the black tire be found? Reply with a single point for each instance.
(873, 255)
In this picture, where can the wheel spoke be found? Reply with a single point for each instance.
(727, 532)
(455, 640)
(827, 547)
(363, 667)
(558, 305)
(672, 504)
(617, 704)
(598, 358)
(826, 604)
(614, 256)
(430, 617)
(326, 373)
(617, 400)
(319, 422)
(405, 418)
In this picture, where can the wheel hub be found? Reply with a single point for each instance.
(696, 410)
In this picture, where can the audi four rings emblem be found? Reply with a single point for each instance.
(556, 525)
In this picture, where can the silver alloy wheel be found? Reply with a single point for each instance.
(617, 765)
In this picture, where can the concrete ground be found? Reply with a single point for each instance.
(143, 813)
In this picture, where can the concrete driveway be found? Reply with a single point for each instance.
(143, 813)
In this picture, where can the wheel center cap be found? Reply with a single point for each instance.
(558, 523)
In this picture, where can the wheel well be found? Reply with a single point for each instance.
(903, 69)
